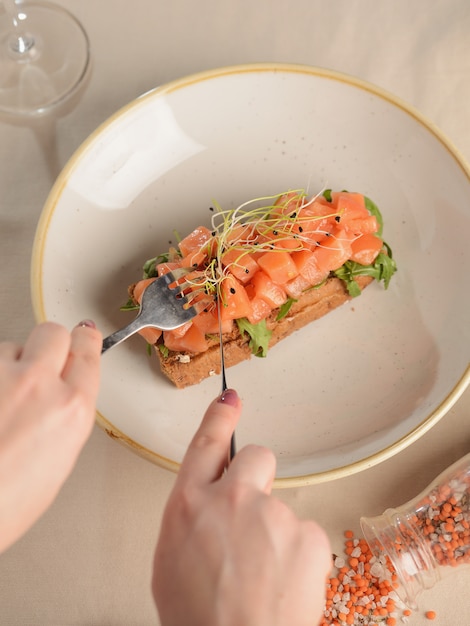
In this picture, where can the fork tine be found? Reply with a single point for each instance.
(173, 311)
(163, 305)
(179, 272)
(193, 292)
(177, 290)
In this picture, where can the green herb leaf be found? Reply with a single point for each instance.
(129, 306)
(259, 335)
(327, 195)
(163, 349)
(382, 269)
(285, 308)
(387, 265)
(150, 266)
(374, 210)
(347, 273)
(317, 286)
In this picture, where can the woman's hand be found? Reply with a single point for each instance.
(229, 553)
(48, 390)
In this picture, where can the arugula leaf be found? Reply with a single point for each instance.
(347, 272)
(317, 286)
(285, 308)
(150, 266)
(387, 264)
(129, 306)
(259, 335)
(163, 349)
(382, 268)
(374, 210)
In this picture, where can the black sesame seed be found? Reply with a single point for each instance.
(338, 218)
(232, 290)
(301, 230)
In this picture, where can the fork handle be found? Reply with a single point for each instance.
(122, 334)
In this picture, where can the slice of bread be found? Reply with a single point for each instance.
(184, 369)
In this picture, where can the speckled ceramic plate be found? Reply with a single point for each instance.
(344, 393)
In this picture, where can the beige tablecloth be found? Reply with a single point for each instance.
(88, 560)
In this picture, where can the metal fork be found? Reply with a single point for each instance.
(163, 305)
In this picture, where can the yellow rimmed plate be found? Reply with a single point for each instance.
(351, 389)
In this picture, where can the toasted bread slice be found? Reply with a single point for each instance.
(185, 369)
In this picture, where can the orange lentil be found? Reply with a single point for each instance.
(359, 588)
(441, 522)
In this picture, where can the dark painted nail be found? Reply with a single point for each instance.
(87, 324)
(230, 397)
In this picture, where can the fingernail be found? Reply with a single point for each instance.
(230, 397)
(87, 324)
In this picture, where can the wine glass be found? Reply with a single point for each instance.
(44, 57)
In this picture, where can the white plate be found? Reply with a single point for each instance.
(352, 388)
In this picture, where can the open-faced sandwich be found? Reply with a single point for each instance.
(275, 264)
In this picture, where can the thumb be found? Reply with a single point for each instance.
(206, 456)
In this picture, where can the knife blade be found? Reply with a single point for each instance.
(233, 448)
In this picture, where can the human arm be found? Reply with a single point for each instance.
(229, 553)
(48, 389)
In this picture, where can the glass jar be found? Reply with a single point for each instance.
(427, 537)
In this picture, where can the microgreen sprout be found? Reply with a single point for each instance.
(270, 223)
(235, 255)
(289, 221)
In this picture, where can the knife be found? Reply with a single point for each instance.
(233, 448)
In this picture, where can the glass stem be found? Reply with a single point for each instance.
(21, 42)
